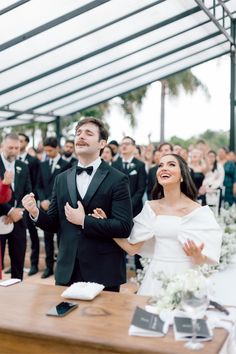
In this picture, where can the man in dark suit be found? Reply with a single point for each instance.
(33, 165)
(135, 170)
(48, 170)
(87, 251)
(13, 210)
(68, 151)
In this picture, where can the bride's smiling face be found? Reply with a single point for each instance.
(168, 171)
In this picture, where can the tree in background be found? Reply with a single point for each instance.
(214, 139)
(172, 86)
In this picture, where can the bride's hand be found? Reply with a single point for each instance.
(195, 252)
(98, 213)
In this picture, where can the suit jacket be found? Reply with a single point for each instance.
(22, 185)
(46, 179)
(33, 165)
(101, 259)
(137, 180)
(151, 181)
(73, 161)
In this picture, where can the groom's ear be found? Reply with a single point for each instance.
(102, 143)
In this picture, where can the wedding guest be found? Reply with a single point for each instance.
(148, 157)
(184, 154)
(213, 181)
(230, 176)
(87, 251)
(13, 208)
(135, 170)
(33, 165)
(138, 153)
(68, 152)
(164, 148)
(232, 156)
(107, 154)
(177, 149)
(199, 168)
(173, 230)
(48, 170)
(5, 196)
(5, 187)
(115, 148)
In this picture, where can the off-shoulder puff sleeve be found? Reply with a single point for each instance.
(143, 231)
(201, 227)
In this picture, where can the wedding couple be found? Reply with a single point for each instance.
(91, 208)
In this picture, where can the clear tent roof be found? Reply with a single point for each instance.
(58, 57)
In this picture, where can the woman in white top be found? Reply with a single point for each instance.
(213, 181)
(173, 229)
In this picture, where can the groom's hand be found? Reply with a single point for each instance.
(29, 203)
(75, 216)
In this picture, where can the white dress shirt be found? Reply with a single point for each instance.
(9, 166)
(53, 162)
(83, 180)
(22, 156)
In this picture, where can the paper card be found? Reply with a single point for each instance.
(9, 282)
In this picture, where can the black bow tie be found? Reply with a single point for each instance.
(89, 170)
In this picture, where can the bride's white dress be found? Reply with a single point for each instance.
(164, 235)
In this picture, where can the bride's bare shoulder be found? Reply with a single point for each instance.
(155, 205)
(194, 204)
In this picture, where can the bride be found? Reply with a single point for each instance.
(173, 230)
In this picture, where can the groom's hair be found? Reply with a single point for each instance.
(103, 133)
(187, 185)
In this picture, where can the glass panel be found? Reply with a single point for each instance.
(10, 123)
(25, 116)
(37, 14)
(68, 30)
(93, 42)
(101, 59)
(148, 78)
(117, 67)
(43, 119)
(6, 3)
(107, 56)
(4, 114)
(160, 65)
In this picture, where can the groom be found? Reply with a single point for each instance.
(87, 251)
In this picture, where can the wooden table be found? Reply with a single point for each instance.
(98, 326)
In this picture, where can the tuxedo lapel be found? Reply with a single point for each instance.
(72, 187)
(17, 178)
(2, 168)
(99, 176)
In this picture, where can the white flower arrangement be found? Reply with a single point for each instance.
(172, 289)
(57, 167)
(227, 220)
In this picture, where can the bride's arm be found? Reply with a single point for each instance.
(131, 249)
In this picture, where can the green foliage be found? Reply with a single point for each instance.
(214, 139)
(185, 80)
(131, 102)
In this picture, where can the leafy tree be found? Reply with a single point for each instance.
(172, 86)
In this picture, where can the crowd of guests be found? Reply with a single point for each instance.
(24, 170)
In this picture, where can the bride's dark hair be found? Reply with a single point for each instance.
(187, 186)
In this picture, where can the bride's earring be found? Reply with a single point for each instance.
(181, 179)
